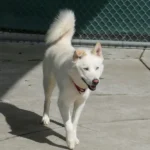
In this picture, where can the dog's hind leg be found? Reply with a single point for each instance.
(48, 84)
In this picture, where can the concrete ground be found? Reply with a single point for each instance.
(116, 116)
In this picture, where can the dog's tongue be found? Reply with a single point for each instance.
(92, 87)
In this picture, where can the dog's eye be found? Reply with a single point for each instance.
(86, 68)
(97, 68)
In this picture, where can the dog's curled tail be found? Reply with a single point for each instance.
(62, 28)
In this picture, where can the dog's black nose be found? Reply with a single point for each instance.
(95, 81)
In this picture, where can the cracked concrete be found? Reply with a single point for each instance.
(116, 116)
(145, 58)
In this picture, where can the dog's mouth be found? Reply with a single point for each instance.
(91, 87)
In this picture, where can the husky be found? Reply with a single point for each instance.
(76, 71)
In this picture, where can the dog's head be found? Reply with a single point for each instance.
(88, 66)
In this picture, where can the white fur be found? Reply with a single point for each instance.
(59, 66)
(63, 25)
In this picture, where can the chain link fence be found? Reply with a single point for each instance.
(116, 20)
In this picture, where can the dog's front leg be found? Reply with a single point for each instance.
(64, 107)
(78, 107)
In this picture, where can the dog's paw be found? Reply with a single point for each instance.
(77, 141)
(45, 120)
(71, 144)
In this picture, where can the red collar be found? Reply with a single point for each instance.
(80, 90)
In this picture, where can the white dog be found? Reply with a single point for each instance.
(76, 71)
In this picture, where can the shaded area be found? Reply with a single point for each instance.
(23, 122)
(16, 60)
(35, 17)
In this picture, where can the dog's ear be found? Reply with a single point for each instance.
(97, 50)
(78, 54)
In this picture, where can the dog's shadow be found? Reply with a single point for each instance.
(23, 122)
